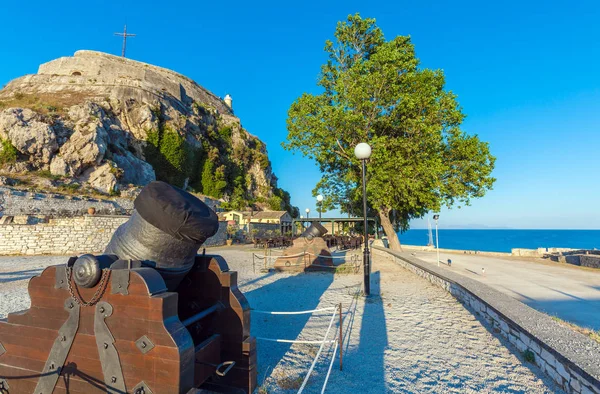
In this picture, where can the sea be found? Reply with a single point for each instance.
(504, 240)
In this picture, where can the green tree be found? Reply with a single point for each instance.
(374, 91)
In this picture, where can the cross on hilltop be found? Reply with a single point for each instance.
(124, 35)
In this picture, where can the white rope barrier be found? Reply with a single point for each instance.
(312, 367)
(295, 341)
(324, 257)
(258, 256)
(263, 257)
(330, 366)
(294, 312)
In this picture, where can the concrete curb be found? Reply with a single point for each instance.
(571, 359)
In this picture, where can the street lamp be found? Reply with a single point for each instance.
(362, 152)
(437, 239)
(307, 212)
(320, 204)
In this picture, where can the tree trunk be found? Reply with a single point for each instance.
(388, 227)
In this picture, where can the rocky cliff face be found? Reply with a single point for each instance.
(109, 123)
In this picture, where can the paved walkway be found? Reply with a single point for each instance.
(569, 292)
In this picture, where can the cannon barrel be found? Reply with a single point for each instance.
(314, 231)
(165, 231)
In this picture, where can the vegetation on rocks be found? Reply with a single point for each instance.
(170, 156)
(8, 153)
(219, 168)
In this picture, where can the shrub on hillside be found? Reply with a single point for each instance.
(8, 153)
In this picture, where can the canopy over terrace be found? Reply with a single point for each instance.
(333, 222)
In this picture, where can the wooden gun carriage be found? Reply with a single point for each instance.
(119, 323)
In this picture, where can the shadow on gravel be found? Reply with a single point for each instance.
(290, 293)
(7, 277)
(252, 281)
(373, 338)
(582, 312)
(511, 348)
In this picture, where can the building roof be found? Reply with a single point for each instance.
(269, 214)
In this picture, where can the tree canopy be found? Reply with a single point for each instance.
(374, 91)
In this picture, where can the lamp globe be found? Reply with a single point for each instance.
(362, 151)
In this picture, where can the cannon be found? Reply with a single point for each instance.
(150, 315)
(309, 252)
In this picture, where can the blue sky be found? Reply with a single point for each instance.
(526, 73)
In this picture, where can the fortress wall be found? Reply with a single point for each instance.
(95, 71)
(71, 236)
(571, 359)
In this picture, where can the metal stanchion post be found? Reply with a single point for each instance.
(341, 340)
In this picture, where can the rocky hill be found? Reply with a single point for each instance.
(101, 122)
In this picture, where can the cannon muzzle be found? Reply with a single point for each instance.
(165, 231)
(314, 231)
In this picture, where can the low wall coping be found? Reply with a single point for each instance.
(580, 352)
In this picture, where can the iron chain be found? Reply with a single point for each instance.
(97, 295)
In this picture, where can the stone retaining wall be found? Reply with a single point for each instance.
(461, 251)
(219, 238)
(584, 260)
(22, 202)
(76, 235)
(588, 260)
(571, 359)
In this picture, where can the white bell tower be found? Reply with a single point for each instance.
(228, 101)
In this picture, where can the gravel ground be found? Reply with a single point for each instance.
(416, 338)
(15, 272)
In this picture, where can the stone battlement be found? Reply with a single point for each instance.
(101, 74)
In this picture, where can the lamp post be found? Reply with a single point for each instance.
(437, 239)
(307, 212)
(320, 205)
(362, 152)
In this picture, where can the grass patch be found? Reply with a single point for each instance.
(594, 335)
(345, 269)
(290, 382)
(70, 188)
(529, 356)
(47, 174)
(46, 104)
